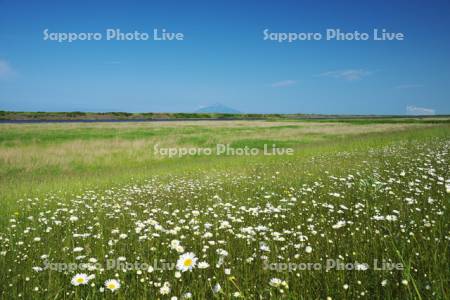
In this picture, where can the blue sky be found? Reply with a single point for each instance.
(224, 59)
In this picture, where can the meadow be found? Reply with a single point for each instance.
(360, 211)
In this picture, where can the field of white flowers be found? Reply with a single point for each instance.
(348, 225)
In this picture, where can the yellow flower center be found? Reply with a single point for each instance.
(187, 262)
(80, 280)
(111, 286)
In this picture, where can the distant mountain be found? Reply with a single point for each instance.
(217, 108)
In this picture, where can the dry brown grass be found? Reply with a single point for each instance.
(64, 155)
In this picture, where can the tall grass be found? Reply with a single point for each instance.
(352, 197)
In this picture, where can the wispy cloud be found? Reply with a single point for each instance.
(419, 111)
(408, 86)
(349, 75)
(6, 71)
(284, 83)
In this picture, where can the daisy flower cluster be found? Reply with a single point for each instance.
(213, 234)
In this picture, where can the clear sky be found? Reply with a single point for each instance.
(224, 58)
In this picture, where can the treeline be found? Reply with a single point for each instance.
(78, 115)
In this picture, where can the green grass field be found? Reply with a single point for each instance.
(84, 203)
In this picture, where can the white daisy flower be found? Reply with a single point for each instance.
(165, 289)
(174, 244)
(275, 282)
(203, 265)
(80, 279)
(339, 225)
(186, 262)
(263, 247)
(112, 284)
